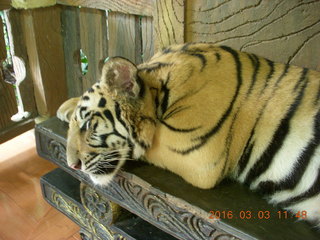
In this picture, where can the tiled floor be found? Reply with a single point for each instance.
(24, 215)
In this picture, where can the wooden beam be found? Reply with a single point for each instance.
(16, 129)
(5, 4)
(28, 4)
(137, 7)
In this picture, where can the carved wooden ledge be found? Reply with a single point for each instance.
(162, 199)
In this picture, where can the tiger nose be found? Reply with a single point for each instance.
(77, 165)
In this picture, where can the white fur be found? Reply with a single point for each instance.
(306, 182)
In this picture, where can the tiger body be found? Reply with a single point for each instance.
(205, 113)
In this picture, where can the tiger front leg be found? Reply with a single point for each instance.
(197, 169)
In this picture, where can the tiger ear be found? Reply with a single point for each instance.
(120, 75)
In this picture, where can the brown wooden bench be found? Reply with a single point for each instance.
(146, 202)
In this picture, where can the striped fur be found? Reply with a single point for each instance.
(205, 113)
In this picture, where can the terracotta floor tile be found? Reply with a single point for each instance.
(14, 221)
(76, 236)
(24, 214)
(54, 226)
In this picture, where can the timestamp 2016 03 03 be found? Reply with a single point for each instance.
(260, 214)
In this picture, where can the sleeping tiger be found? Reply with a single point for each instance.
(205, 113)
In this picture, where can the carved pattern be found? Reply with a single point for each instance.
(80, 216)
(119, 237)
(57, 151)
(179, 222)
(161, 213)
(99, 207)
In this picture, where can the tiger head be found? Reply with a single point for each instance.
(113, 121)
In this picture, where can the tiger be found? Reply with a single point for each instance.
(205, 113)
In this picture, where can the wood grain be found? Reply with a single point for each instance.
(168, 22)
(94, 42)
(147, 38)
(8, 104)
(42, 29)
(283, 31)
(3, 51)
(124, 36)
(71, 44)
(28, 4)
(137, 7)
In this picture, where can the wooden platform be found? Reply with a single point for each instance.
(145, 202)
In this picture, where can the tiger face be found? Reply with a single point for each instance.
(109, 124)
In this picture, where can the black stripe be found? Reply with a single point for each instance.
(204, 138)
(311, 192)
(109, 116)
(154, 67)
(266, 158)
(175, 111)
(165, 99)
(141, 87)
(87, 115)
(102, 102)
(290, 182)
(181, 130)
(245, 157)
(186, 46)
(218, 56)
(270, 74)
(201, 57)
(256, 64)
(82, 109)
(301, 79)
(118, 116)
(246, 154)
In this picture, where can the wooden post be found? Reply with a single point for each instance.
(124, 36)
(42, 29)
(147, 38)
(71, 43)
(94, 43)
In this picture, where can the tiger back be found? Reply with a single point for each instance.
(205, 113)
